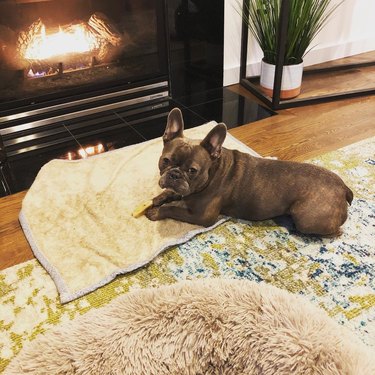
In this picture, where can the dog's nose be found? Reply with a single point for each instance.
(174, 174)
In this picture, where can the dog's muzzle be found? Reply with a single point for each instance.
(174, 179)
(174, 174)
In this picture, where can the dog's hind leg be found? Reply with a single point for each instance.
(314, 218)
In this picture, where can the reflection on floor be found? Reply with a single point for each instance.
(93, 134)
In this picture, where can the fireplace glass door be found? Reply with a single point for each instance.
(54, 49)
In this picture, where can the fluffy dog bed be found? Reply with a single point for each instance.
(202, 327)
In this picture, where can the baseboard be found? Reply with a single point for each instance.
(338, 51)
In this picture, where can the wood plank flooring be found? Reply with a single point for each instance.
(304, 132)
(14, 248)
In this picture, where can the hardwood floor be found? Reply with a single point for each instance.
(294, 134)
(14, 248)
(355, 59)
(338, 82)
(304, 132)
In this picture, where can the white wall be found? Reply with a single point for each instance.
(351, 30)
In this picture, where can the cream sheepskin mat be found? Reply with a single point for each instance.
(209, 326)
(77, 215)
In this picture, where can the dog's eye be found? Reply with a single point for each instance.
(192, 171)
(166, 161)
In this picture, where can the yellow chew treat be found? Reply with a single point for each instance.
(141, 209)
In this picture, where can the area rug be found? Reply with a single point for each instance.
(199, 327)
(336, 275)
(77, 215)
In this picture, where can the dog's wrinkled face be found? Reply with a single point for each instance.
(184, 166)
(185, 163)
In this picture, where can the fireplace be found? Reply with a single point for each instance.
(62, 51)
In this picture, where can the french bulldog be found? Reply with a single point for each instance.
(202, 180)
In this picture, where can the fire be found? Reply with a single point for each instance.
(73, 39)
(85, 152)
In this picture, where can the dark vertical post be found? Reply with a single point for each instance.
(244, 37)
(3, 155)
(60, 69)
(280, 53)
(187, 45)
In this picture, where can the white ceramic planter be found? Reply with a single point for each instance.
(290, 84)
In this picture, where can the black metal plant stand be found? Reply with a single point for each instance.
(276, 102)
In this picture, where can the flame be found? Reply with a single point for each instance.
(85, 152)
(74, 39)
(82, 153)
(91, 150)
(31, 74)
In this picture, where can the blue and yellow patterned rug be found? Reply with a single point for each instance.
(337, 274)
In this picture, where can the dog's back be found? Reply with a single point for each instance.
(263, 188)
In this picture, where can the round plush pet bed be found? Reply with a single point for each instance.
(202, 327)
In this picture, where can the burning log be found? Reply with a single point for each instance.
(27, 37)
(107, 35)
(103, 27)
(78, 45)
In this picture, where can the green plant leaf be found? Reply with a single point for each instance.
(306, 19)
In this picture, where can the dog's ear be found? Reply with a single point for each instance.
(214, 140)
(175, 125)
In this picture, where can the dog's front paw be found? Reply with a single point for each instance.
(153, 213)
(166, 196)
(159, 200)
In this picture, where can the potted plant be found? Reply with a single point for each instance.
(305, 20)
